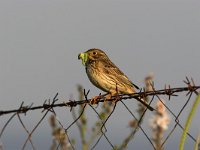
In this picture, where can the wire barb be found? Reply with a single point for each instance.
(49, 106)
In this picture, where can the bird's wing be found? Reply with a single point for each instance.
(111, 68)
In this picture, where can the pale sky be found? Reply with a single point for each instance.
(41, 40)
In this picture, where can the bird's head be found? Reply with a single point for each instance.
(91, 55)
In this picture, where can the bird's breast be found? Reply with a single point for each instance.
(95, 76)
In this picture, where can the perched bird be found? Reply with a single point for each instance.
(105, 75)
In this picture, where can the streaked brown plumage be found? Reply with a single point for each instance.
(104, 74)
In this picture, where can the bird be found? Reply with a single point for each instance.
(105, 75)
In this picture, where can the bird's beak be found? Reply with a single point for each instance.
(83, 57)
(79, 56)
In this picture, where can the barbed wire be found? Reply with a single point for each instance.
(50, 105)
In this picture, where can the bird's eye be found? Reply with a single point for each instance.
(94, 53)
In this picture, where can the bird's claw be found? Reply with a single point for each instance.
(95, 100)
(117, 98)
(109, 96)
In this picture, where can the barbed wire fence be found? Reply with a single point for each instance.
(60, 132)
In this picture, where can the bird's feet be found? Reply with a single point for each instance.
(117, 98)
(109, 96)
(95, 99)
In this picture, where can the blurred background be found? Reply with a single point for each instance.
(39, 45)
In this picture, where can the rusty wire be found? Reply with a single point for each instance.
(24, 109)
(49, 106)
